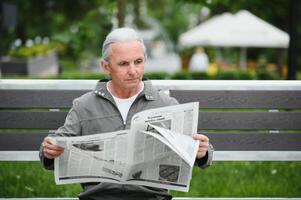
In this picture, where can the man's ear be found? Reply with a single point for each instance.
(104, 65)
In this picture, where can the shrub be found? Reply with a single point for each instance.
(234, 75)
(181, 75)
(81, 75)
(156, 75)
(35, 50)
(199, 75)
(266, 75)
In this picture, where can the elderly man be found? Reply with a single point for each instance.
(111, 106)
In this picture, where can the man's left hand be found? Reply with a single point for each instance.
(203, 145)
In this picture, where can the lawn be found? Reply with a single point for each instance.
(223, 179)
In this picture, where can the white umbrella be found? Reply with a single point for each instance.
(240, 30)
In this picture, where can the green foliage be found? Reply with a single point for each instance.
(35, 50)
(199, 75)
(80, 75)
(174, 15)
(81, 32)
(266, 75)
(190, 75)
(156, 75)
(84, 38)
(234, 75)
(222, 179)
(181, 75)
(186, 52)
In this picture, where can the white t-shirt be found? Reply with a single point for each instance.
(124, 105)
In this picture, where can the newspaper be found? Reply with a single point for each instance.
(158, 151)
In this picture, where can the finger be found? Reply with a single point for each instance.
(200, 155)
(202, 149)
(201, 137)
(53, 147)
(48, 153)
(48, 140)
(204, 145)
(48, 144)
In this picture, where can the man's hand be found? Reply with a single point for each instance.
(203, 145)
(50, 150)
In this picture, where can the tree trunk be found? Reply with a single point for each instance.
(121, 12)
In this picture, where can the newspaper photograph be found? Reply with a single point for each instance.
(158, 151)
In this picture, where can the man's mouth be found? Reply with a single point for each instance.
(132, 79)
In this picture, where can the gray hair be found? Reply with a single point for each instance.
(120, 35)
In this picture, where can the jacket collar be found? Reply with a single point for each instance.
(148, 92)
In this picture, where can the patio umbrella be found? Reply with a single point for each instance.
(239, 30)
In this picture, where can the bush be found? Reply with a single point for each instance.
(199, 75)
(157, 75)
(80, 75)
(234, 75)
(35, 50)
(266, 75)
(181, 75)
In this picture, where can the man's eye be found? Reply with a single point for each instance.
(123, 64)
(138, 61)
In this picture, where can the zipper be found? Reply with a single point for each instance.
(116, 108)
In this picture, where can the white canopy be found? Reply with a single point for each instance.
(240, 30)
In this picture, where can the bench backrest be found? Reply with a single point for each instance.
(239, 116)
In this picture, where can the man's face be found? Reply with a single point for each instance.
(126, 64)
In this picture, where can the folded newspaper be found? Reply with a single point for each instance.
(158, 151)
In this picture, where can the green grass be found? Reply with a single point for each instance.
(29, 179)
(246, 179)
(222, 179)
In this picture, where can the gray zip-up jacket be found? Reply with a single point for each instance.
(96, 112)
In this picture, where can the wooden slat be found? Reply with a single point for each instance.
(207, 120)
(255, 141)
(21, 141)
(38, 98)
(249, 120)
(35, 120)
(176, 198)
(240, 99)
(220, 141)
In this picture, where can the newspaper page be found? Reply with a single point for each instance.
(153, 162)
(92, 158)
(157, 151)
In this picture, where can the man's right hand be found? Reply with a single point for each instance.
(51, 150)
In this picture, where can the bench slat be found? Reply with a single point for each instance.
(38, 98)
(255, 141)
(240, 99)
(33, 120)
(221, 141)
(207, 99)
(21, 141)
(249, 120)
(207, 120)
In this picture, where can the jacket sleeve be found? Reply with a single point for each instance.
(71, 127)
(206, 161)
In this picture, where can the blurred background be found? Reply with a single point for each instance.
(185, 39)
(239, 39)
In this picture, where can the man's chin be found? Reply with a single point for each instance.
(132, 83)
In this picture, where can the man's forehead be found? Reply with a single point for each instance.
(127, 49)
(131, 43)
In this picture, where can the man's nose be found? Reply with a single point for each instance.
(132, 69)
